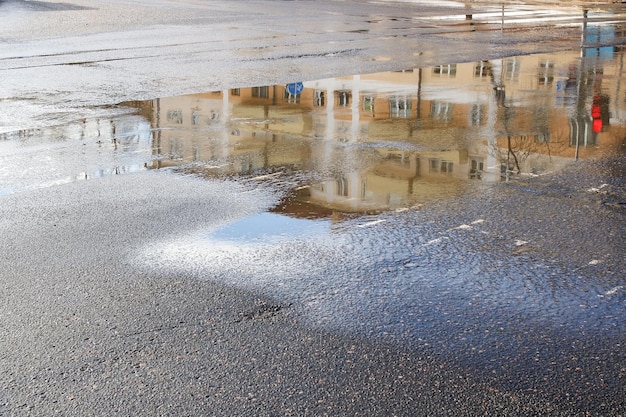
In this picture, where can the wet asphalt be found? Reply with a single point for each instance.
(516, 290)
(86, 331)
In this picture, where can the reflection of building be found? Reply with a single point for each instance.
(390, 139)
(559, 105)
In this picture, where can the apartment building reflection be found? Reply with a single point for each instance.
(395, 139)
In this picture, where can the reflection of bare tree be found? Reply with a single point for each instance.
(509, 153)
(527, 138)
(510, 156)
(524, 129)
(518, 153)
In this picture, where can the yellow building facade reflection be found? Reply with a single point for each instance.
(396, 139)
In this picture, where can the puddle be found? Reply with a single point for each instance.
(357, 144)
(397, 140)
(90, 149)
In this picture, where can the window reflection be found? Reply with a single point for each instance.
(343, 98)
(318, 99)
(175, 116)
(368, 104)
(448, 70)
(546, 72)
(400, 107)
(511, 69)
(477, 166)
(483, 69)
(261, 92)
(441, 111)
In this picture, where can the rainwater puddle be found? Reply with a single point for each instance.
(400, 140)
(356, 144)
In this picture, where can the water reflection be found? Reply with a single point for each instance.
(92, 148)
(360, 143)
(398, 139)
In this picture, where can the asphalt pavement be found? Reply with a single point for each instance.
(98, 319)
